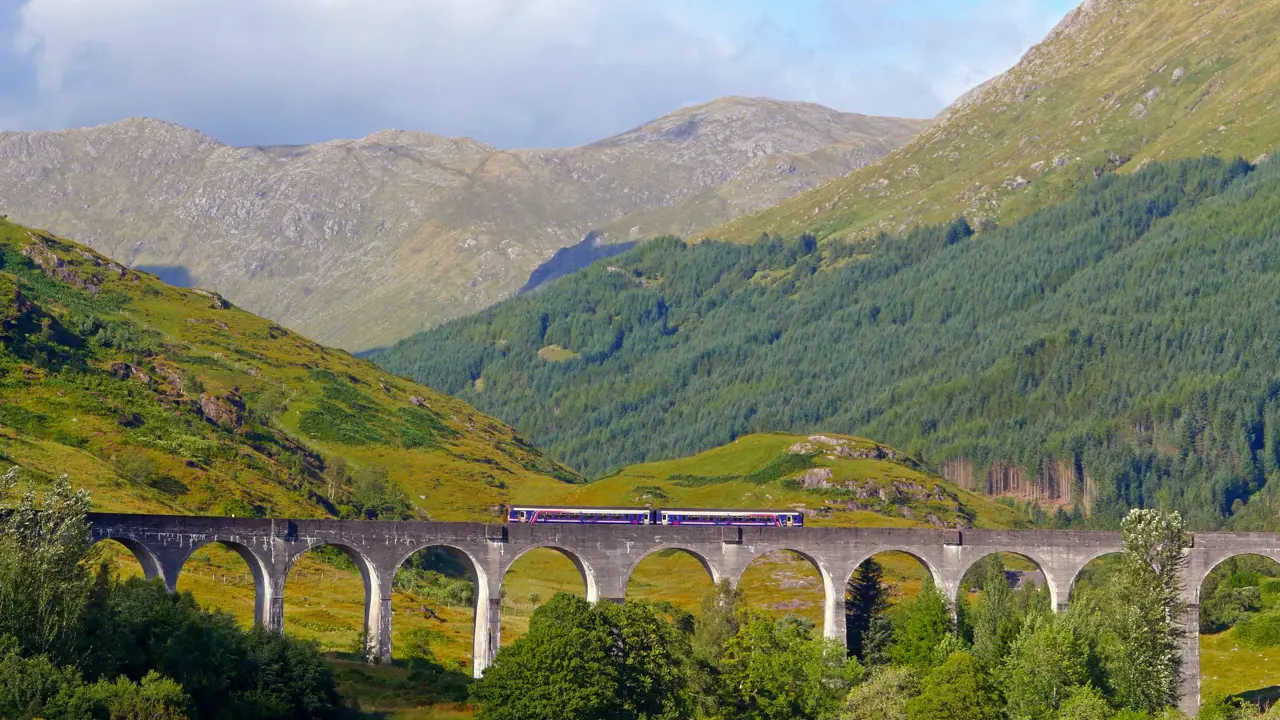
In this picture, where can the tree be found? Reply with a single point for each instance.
(865, 599)
(717, 622)
(958, 689)
(580, 660)
(44, 586)
(1046, 663)
(993, 622)
(919, 627)
(1085, 703)
(776, 670)
(883, 696)
(1144, 661)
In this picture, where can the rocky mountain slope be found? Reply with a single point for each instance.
(357, 243)
(159, 399)
(1117, 84)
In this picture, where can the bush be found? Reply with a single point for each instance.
(1259, 632)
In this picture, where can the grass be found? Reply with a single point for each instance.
(555, 353)
(1032, 137)
(737, 475)
(128, 361)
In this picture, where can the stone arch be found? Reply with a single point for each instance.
(151, 565)
(833, 596)
(483, 646)
(258, 569)
(377, 597)
(575, 557)
(933, 570)
(1049, 580)
(1075, 574)
(702, 560)
(1197, 583)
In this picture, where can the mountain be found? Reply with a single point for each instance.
(1118, 84)
(357, 243)
(159, 399)
(1113, 350)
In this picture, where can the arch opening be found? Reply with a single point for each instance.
(439, 605)
(226, 576)
(786, 582)
(675, 575)
(327, 591)
(1239, 624)
(124, 558)
(1018, 573)
(534, 577)
(877, 585)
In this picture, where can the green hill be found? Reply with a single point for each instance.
(161, 399)
(1117, 349)
(834, 479)
(1118, 84)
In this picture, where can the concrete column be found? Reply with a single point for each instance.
(833, 618)
(272, 605)
(168, 565)
(488, 637)
(1189, 686)
(377, 615)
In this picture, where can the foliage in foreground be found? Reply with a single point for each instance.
(82, 646)
(1112, 656)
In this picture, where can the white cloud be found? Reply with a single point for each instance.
(511, 72)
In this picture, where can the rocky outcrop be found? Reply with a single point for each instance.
(224, 410)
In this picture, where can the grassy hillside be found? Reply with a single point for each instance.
(836, 480)
(1115, 350)
(161, 399)
(1118, 84)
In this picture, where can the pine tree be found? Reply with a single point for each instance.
(865, 598)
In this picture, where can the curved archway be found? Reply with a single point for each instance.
(227, 575)
(328, 596)
(784, 581)
(896, 554)
(126, 558)
(443, 593)
(879, 582)
(1238, 604)
(534, 576)
(671, 574)
(1021, 571)
(1094, 575)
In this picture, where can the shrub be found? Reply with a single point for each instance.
(1259, 632)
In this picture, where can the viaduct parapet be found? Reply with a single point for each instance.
(607, 555)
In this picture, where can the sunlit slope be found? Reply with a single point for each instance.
(835, 479)
(1117, 84)
(166, 400)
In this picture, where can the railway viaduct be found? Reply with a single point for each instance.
(606, 555)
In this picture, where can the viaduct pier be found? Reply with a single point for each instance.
(606, 555)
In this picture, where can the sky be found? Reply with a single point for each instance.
(512, 73)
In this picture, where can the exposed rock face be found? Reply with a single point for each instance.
(225, 410)
(359, 243)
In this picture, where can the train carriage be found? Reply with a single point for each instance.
(750, 518)
(564, 515)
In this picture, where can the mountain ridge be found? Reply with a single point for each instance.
(1116, 84)
(325, 237)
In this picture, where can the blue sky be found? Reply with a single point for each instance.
(514, 73)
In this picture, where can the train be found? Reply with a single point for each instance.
(531, 514)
